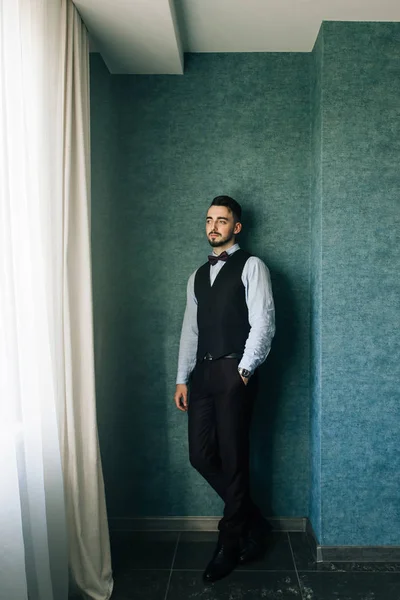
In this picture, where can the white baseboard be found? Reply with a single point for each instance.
(194, 523)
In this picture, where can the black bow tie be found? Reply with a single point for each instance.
(212, 259)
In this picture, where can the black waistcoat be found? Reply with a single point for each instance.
(222, 313)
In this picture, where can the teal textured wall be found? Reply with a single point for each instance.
(360, 220)
(316, 284)
(236, 124)
(310, 145)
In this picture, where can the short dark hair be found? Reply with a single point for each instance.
(230, 203)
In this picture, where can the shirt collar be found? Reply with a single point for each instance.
(230, 250)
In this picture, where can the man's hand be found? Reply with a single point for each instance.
(181, 397)
(245, 379)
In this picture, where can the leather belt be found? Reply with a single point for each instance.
(233, 355)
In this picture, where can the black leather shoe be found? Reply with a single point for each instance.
(254, 543)
(222, 563)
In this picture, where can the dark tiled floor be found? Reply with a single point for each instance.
(169, 566)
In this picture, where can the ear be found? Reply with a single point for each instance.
(238, 228)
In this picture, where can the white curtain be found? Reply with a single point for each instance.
(52, 505)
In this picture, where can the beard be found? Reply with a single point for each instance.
(220, 241)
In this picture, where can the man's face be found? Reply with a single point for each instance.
(220, 226)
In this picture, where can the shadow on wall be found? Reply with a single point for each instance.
(143, 436)
(271, 377)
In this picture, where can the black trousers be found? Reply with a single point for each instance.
(220, 409)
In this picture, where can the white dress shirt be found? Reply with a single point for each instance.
(260, 303)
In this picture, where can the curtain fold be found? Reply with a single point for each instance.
(89, 551)
(52, 503)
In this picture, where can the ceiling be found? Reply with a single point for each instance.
(150, 36)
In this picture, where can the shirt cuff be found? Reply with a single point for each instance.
(246, 364)
(182, 378)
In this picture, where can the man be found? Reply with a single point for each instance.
(227, 332)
